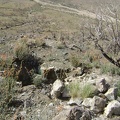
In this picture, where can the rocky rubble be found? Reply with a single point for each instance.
(49, 102)
(102, 106)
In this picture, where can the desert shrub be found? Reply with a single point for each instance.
(87, 91)
(111, 69)
(80, 90)
(38, 81)
(74, 89)
(21, 50)
(75, 61)
(25, 62)
(4, 62)
(37, 42)
(7, 91)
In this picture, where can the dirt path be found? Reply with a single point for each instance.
(62, 8)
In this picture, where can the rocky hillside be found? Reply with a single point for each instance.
(53, 63)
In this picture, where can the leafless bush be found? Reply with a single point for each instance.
(106, 33)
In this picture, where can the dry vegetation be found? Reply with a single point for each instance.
(27, 27)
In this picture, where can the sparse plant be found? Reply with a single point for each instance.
(118, 87)
(108, 68)
(7, 91)
(21, 50)
(74, 89)
(38, 81)
(75, 61)
(81, 90)
(87, 91)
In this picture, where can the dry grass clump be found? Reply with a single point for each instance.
(81, 90)
(75, 60)
(21, 50)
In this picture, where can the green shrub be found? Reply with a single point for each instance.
(80, 90)
(38, 81)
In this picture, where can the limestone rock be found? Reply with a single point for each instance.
(97, 104)
(57, 89)
(87, 102)
(111, 94)
(113, 108)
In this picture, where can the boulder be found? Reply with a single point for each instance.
(111, 94)
(57, 89)
(113, 108)
(97, 104)
(79, 113)
(50, 75)
(102, 85)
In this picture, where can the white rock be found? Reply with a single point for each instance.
(51, 105)
(23, 113)
(113, 108)
(111, 94)
(74, 101)
(57, 88)
(87, 102)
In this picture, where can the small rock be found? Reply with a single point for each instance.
(62, 115)
(98, 104)
(76, 72)
(111, 94)
(102, 96)
(74, 101)
(102, 85)
(87, 102)
(51, 105)
(113, 108)
(65, 93)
